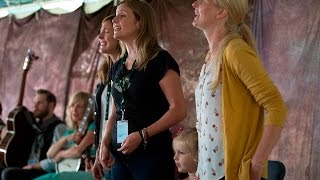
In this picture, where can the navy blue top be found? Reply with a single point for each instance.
(144, 101)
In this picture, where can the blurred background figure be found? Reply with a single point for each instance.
(51, 129)
(76, 141)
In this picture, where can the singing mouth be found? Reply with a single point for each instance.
(116, 28)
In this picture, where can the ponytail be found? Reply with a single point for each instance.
(236, 28)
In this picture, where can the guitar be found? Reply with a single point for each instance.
(67, 165)
(16, 145)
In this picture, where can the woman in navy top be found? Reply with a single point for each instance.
(148, 100)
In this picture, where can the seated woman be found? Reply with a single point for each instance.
(78, 138)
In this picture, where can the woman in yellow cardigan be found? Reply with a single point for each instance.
(235, 139)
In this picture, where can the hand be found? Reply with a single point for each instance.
(29, 166)
(255, 170)
(105, 157)
(97, 169)
(75, 137)
(59, 157)
(131, 143)
(88, 164)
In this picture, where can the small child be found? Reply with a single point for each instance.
(185, 147)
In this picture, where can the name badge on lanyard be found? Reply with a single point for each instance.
(124, 84)
(122, 129)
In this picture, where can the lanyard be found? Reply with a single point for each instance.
(124, 83)
(107, 100)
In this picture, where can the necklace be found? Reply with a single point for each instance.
(212, 52)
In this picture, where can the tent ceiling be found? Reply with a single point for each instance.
(10, 3)
(23, 8)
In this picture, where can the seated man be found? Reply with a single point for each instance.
(52, 129)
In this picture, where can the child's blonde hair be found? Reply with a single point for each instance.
(189, 137)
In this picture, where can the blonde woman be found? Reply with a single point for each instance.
(233, 93)
(74, 143)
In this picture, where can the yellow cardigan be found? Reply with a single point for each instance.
(246, 91)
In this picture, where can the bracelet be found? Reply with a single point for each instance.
(145, 133)
(98, 150)
(145, 137)
(140, 132)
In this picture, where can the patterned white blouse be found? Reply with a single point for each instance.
(209, 122)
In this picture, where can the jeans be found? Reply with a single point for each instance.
(142, 165)
(107, 175)
(224, 178)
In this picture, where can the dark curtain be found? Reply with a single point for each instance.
(185, 43)
(61, 42)
(287, 34)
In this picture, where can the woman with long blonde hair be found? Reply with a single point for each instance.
(112, 49)
(234, 89)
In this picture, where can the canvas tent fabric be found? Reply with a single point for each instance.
(23, 8)
(288, 38)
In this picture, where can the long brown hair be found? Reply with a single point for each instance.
(146, 42)
(103, 71)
